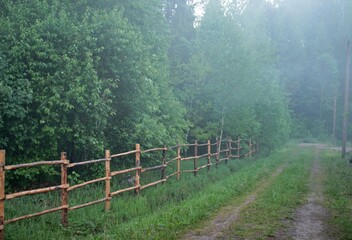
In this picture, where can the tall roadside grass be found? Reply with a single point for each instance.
(264, 217)
(161, 212)
(338, 194)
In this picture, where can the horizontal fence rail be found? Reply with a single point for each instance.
(233, 149)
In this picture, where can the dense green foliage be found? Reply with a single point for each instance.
(228, 81)
(84, 76)
(81, 77)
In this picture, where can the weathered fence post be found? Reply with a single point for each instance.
(238, 147)
(108, 179)
(64, 192)
(2, 194)
(163, 170)
(195, 155)
(138, 164)
(217, 152)
(229, 145)
(254, 147)
(178, 161)
(227, 152)
(250, 148)
(209, 154)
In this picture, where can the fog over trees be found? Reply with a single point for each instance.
(84, 76)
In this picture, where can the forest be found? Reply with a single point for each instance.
(84, 76)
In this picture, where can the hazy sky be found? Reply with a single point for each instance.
(200, 5)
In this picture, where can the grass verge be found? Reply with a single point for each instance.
(264, 217)
(161, 212)
(338, 194)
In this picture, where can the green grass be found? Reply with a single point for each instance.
(338, 194)
(161, 212)
(264, 217)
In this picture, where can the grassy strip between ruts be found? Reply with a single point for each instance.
(338, 194)
(263, 218)
(163, 212)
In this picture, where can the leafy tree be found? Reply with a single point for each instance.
(83, 76)
(230, 79)
(309, 48)
(160, 119)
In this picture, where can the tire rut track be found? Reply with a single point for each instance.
(226, 216)
(309, 220)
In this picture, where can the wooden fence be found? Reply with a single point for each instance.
(219, 155)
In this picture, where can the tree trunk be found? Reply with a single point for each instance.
(221, 131)
(334, 123)
(345, 111)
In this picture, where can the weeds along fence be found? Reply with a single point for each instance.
(171, 159)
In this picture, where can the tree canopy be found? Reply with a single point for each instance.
(83, 76)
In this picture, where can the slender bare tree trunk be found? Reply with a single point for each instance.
(345, 109)
(221, 131)
(334, 123)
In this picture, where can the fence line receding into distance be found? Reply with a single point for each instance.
(219, 155)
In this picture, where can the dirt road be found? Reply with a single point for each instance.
(308, 221)
(215, 227)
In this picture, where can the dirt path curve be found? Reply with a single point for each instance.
(324, 146)
(214, 228)
(309, 220)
